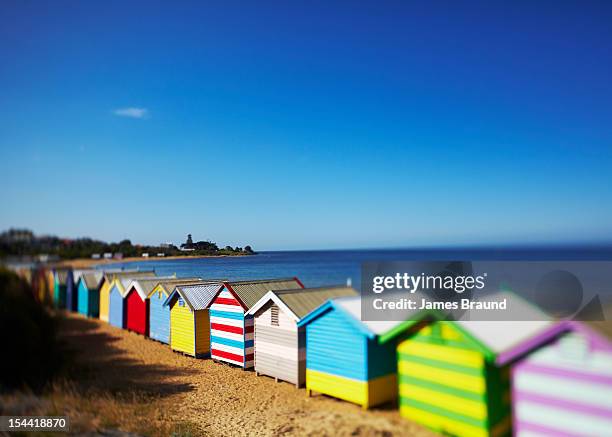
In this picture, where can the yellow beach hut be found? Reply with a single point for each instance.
(189, 318)
(50, 286)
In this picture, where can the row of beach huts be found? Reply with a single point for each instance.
(464, 378)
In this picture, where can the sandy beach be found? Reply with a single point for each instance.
(118, 380)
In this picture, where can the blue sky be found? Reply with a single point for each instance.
(289, 125)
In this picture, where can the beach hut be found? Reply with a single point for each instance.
(88, 290)
(565, 387)
(231, 327)
(59, 287)
(454, 376)
(107, 281)
(50, 286)
(71, 294)
(159, 315)
(344, 358)
(280, 346)
(137, 308)
(105, 285)
(116, 301)
(190, 319)
(40, 285)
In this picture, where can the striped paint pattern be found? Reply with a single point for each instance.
(564, 389)
(341, 361)
(231, 331)
(446, 384)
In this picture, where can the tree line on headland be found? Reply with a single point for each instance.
(23, 242)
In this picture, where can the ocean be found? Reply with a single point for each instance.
(335, 267)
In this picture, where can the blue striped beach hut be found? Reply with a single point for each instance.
(231, 328)
(344, 358)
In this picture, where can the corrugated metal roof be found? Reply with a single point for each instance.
(199, 296)
(249, 292)
(144, 286)
(303, 301)
(168, 286)
(125, 282)
(92, 280)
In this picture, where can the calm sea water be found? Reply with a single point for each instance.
(319, 268)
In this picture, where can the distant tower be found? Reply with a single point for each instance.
(349, 282)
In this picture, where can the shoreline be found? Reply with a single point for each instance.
(88, 262)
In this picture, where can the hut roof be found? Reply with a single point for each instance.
(62, 276)
(92, 280)
(197, 296)
(78, 273)
(144, 286)
(502, 336)
(300, 302)
(168, 285)
(351, 307)
(598, 332)
(249, 292)
(123, 283)
(499, 340)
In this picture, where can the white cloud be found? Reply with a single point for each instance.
(132, 112)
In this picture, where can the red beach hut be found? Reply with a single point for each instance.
(137, 304)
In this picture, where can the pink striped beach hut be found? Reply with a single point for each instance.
(565, 387)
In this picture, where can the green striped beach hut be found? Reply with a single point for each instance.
(454, 376)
